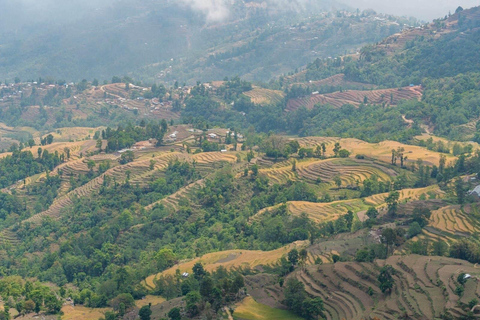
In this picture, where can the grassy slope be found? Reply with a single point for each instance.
(249, 309)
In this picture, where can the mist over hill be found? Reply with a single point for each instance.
(164, 40)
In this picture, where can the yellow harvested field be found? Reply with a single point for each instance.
(351, 171)
(209, 157)
(229, 259)
(249, 309)
(319, 212)
(74, 133)
(378, 200)
(264, 96)
(323, 212)
(448, 143)
(83, 313)
(381, 151)
(154, 300)
(451, 219)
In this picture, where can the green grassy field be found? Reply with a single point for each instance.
(249, 309)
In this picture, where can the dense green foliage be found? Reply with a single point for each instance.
(121, 137)
(22, 164)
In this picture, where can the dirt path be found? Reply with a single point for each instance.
(228, 313)
(410, 122)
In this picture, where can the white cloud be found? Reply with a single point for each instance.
(214, 10)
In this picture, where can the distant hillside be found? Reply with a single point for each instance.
(257, 41)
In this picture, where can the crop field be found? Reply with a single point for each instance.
(406, 195)
(418, 289)
(351, 171)
(381, 151)
(74, 133)
(337, 80)
(249, 309)
(265, 96)
(453, 219)
(83, 313)
(356, 97)
(228, 259)
(317, 211)
(154, 300)
(172, 200)
(210, 157)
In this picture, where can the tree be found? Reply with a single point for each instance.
(127, 157)
(460, 191)
(29, 306)
(165, 258)
(392, 203)
(198, 271)
(98, 145)
(250, 156)
(294, 166)
(337, 180)
(388, 238)
(439, 248)
(386, 278)
(90, 165)
(336, 149)
(145, 312)
(52, 304)
(174, 314)
(293, 256)
(312, 308)
(295, 294)
(372, 213)
(343, 153)
(49, 139)
(414, 229)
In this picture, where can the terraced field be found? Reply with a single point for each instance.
(351, 171)
(453, 219)
(337, 80)
(381, 151)
(418, 291)
(356, 97)
(318, 212)
(171, 201)
(74, 133)
(228, 259)
(265, 96)
(249, 309)
(430, 192)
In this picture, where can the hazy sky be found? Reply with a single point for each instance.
(15, 12)
(421, 9)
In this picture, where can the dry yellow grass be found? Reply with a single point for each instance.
(378, 200)
(381, 151)
(228, 259)
(319, 212)
(249, 309)
(83, 313)
(264, 96)
(209, 157)
(75, 148)
(451, 219)
(448, 143)
(323, 212)
(73, 133)
(154, 300)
